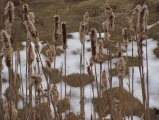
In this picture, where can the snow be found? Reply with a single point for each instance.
(73, 64)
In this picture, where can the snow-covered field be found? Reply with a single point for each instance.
(73, 63)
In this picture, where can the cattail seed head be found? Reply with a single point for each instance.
(86, 18)
(5, 39)
(48, 63)
(1, 63)
(36, 80)
(125, 37)
(64, 35)
(9, 10)
(104, 79)
(31, 17)
(82, 32)
(110, 15)
(93, 38)
(143, 19)
(90, 73)
(56, 28)
(100, 44)
(30, 54)
(135, 18)
(121, 67)
(8, 26)
(26, 8)
(54, 93)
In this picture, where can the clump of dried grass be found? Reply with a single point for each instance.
(6, 108)
(9, 11)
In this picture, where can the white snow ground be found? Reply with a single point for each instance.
(73, 62)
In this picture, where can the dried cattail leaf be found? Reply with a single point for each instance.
(6, 108)
(54, 93)
(9, 10)
(104, 79)
(1, 63)
(31, 17)
(64, 35)
(121, 67)
(135, 18)
(125, 37)
(93, 38)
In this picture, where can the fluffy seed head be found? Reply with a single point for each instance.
(56, 27)
(54, 93)
(82, 32)
(121, 67)
(31, 17)
(125, 37)
(86, 18)
(104, 79)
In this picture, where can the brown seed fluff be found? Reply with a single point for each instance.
(31, 17)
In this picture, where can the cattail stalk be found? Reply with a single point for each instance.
(1, 99)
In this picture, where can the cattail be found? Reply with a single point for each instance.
(64, 35)
(8, 26)
(143, 19)
(139, 45)
(48, 63)
(30, 54)
(105, 26)
(8, 56)
(31, 17)
(121, 67)
(110, 15)
(51, 52)
(82, 32)
(93, 38)
(119, 50)
(125, 37)
(135, 18)
(25, 11)
(36, 80)
(56, 28)
(54, 93)
(6, 108)
(90, 73)
(132, 32)
(5, 39)
(100, 44)
(1, 63)
(104, 79)
(9, 10)
(86, 18)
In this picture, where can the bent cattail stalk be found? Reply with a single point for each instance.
(110, 15)
(93, 38)
(64, 35)
(56, 28)
(125, 37)
(9, 10)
